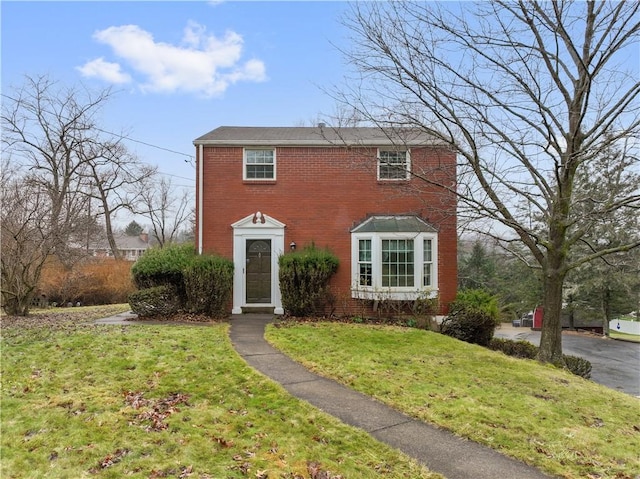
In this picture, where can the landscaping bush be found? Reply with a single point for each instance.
(578, 366)
(473, 317)
(164, 266)
(477, 299)
(156, 301)
(91, 281)
(526, 350)
(518, 349)
(208, 281)
(469, 325)
(304, 280)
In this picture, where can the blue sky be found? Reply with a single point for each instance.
(181, 69)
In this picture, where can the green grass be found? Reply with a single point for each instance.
(81, 400)
(547, 417)
(634, 338)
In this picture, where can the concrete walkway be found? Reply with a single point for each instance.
(440, 451)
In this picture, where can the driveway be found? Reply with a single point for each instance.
(615, 364)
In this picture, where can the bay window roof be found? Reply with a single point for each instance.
(394, 224)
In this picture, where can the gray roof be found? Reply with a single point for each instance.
(394, 224)
(314, 136)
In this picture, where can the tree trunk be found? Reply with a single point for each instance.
(606, 310)
(109, 232)
(551, 339)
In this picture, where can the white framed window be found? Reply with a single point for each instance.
(364, 262)
(395, 265)
(394, 164)
(259, 164)
(427, 263)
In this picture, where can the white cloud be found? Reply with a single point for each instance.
(203, 64)
(108, 71)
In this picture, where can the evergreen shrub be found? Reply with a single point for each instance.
(164, 266)
(577, 365)
(525, 350)
(517, 349)
(208, 283)
(473, 317)
(156, 301)
(304, 280)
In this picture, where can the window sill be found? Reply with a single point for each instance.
(392, 181)
(403, 294)
(259, 182)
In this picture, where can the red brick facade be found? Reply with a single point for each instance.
(320, 194)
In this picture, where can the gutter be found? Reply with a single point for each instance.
(200, 194)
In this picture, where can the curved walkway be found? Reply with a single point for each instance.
(439, 450)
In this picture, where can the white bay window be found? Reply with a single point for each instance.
(394, 257)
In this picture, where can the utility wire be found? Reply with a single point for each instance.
(126, 137)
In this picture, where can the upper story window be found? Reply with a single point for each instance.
(394, 165)
(259, 164)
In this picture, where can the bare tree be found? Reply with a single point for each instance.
(51, 135)
(25, 239)
(528, 94)
(166, 209)
(43, 129)
(115, 178)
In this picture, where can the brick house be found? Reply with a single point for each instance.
(361, 192)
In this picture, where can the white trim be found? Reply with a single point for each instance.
(376, 290)
(200, 195)
(256, 226)
(244, 163)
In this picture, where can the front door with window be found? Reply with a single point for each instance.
(258, 271)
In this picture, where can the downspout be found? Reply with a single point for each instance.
(200, 194)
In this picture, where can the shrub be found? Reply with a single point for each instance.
(477, 299)
(156, 301)
(91, 281)
(518, 349)
(473, 317)
(304, 280)
(208, 281)
(164, 266)
(578, 366)
(469, 325)
(526, 350)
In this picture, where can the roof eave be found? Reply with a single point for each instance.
(319, 144)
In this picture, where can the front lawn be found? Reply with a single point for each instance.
(80, 400)
(547, 417)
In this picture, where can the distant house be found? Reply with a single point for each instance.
(365, 193)
(131, 247)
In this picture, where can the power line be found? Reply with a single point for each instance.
(126, 137)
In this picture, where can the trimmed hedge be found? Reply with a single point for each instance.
(208, 281)
(200, 284)
(304, 280)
